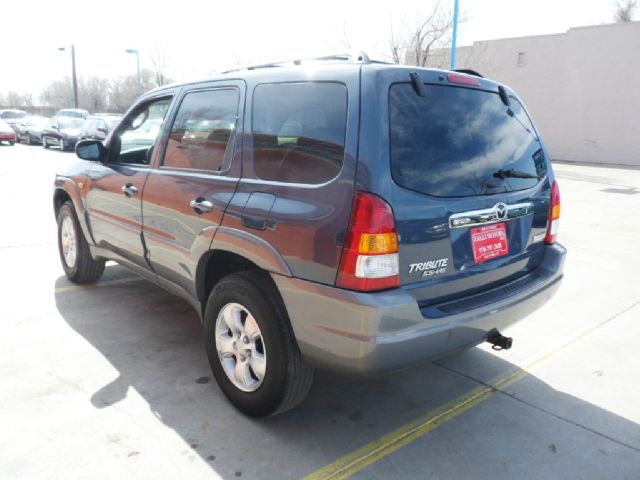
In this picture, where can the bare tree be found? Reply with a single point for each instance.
(340, 40)
(396, 46)
(123, 90)
(93, 94)
(159, 60)
(414, 45)
(58, 94)
(624, 11)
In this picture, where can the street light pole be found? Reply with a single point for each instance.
(74, 78)
(135, 50)
(454, 40)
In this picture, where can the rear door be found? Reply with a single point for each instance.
(468, 179)
(187, 192)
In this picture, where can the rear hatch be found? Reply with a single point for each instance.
(467, 177)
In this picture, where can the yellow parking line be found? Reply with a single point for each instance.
(108, 283)
(384, 446)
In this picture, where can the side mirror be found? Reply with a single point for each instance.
(92, 150)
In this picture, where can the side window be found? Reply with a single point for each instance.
(203, 132)
(299, 131)
(135, 140)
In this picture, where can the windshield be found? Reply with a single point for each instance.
(37, 121)
(68, 122)
(457, 142)
(12, 115)
(112, 122)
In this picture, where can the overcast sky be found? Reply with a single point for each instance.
(199, 37)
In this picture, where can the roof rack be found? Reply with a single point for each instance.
(347, 57)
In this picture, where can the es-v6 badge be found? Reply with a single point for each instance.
(430, 267)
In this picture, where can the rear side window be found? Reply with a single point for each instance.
(299, 131)
(457, 142)
(202, 134)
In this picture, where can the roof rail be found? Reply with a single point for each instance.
(355, 56)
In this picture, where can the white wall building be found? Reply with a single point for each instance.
(582, 87)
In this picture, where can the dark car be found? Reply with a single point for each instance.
(29, 129)
(97, 127)
(351, 215)
(62, 131)
(12, 115)
(72, 113)
(6, 133)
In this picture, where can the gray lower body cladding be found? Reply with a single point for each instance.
(377, 333)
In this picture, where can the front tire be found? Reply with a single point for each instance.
(77, 262)
(29, 139)
(63, 147)
(44, 142)
(251, 347)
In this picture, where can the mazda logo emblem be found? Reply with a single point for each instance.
(501, 210)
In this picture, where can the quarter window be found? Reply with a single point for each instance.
(299, 131)
(203, 132)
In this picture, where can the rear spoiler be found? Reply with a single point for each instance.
(469, 72)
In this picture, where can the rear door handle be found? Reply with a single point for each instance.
(129, 190)
(200, 205)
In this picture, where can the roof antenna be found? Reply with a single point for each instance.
(418, 86)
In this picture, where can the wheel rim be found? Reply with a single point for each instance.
(240, 347)
(68, 241)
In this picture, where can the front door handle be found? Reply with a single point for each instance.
(129, 190)
(200, 205)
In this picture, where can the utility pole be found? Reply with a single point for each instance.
(135, 50)
(454, 40)
(74, 78)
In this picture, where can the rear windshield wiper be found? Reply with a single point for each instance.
(502, 174)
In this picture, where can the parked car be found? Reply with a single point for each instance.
(97, 127)
(12, 115)
(73, 113)
(62, 131)
(355, 216)
(6, 133)
(29, 129)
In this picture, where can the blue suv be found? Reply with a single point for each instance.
(336, 213)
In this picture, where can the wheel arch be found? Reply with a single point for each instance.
(65, 190)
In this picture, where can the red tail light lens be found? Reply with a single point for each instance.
(370, 254)
(554, 215)
(463, 79)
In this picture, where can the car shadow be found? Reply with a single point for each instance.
(154, 341)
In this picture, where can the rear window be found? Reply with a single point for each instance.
(457, 142)
(299, 131)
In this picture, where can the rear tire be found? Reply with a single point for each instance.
(77, 262)
(284, 379)
(44, 142)
(12, 143)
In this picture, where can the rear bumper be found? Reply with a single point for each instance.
(376, 333)
(7, 136)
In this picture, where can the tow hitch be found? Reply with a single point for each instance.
(499, 341)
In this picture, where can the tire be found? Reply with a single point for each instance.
(44, 142)
(286, 377)
(12, 143)
(63, 147)
(79, 267)
(29, 139)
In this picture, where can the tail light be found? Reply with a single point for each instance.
(370, 254)
(554, 215)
